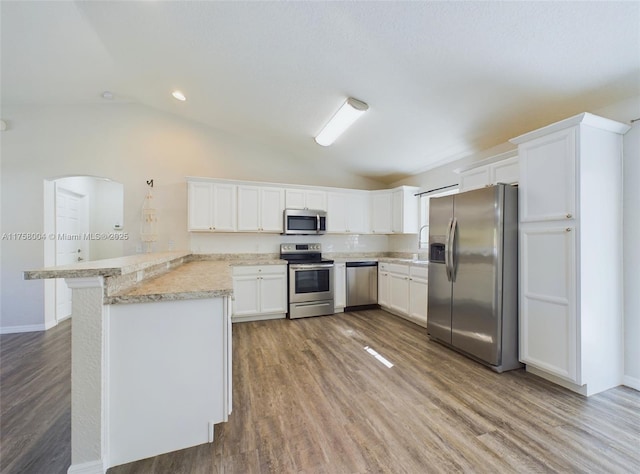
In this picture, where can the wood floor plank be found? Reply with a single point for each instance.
(308, 398)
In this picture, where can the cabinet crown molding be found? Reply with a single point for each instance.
(584, 118)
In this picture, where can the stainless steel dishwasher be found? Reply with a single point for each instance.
(362, 285)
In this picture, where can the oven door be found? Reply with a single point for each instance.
(310, 282)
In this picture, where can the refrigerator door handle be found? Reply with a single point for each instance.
(447, 250)
(450, 248)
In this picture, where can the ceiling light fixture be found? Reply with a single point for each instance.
(179, 95)
(343, 118)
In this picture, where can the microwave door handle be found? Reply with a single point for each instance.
(317, 222)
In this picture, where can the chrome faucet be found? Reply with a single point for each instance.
(419, 234)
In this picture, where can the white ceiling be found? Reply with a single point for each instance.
(442, 79)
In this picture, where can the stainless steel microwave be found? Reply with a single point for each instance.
(304, 221)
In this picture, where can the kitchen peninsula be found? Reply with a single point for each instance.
(151, 354)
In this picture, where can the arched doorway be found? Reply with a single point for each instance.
(78, 210)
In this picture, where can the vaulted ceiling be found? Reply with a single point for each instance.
(442, 79)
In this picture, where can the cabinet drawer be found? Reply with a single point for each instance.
(397, 268)
(420, 272)
(259, 270)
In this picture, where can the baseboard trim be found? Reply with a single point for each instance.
(25, 328)
(631, 382)
(92, 467)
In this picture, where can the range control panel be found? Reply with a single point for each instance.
(300, 248)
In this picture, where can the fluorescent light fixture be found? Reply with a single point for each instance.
(343, 118)
(178, 95)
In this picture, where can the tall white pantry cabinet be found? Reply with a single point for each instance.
(570, 211)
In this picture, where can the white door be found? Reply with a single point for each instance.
(70, 246)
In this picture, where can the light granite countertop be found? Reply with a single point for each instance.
(107, 267)
(164, 276)
(192, 280)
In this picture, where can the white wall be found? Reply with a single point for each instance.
(130, 144)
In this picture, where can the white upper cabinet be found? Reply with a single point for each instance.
(404, 218)
(347, 212)
(548, 169)
(260, 209)
(394, 211)
(475, 178)
(211, 206)
(381, 212)
(305, 199)
(505, 170)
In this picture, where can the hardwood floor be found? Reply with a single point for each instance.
(35, 401)
(309, 398)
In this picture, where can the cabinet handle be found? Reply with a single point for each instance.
(569, 216)
(568, 229)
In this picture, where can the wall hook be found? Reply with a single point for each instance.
(150, 183)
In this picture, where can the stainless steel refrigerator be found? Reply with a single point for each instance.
(473, 274)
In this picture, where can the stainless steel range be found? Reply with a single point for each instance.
(310, 280)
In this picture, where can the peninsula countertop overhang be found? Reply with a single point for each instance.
(166, 276)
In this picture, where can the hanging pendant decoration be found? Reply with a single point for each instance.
(149, 222)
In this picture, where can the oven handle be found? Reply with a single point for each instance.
(310, 266)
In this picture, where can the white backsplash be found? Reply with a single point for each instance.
(270, 243)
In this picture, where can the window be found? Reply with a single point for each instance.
(423, 233)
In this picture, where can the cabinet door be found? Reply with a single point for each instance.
(316, 200)
(404, 215)
(224, 207)
(399, 293)
(295, 199)
(339, 285)
(246, 295)
(548, 329)
(418, 299)
(273, 293)
(397, 211)
(336, 213)
(248, 208)
(271, 207)
(200, 206)
(506, 171)
(383, 288)
(475, 178)
(548, 177)
(381, 209)
(357, 213)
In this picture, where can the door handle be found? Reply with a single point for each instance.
(452, 257)
(447, 248)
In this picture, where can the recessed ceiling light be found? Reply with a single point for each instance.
(178, 95)
(107, 95)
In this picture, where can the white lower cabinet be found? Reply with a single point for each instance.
(418, 279)
(339, 287)
(259, 292)
(399, 289)
(402, 290)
